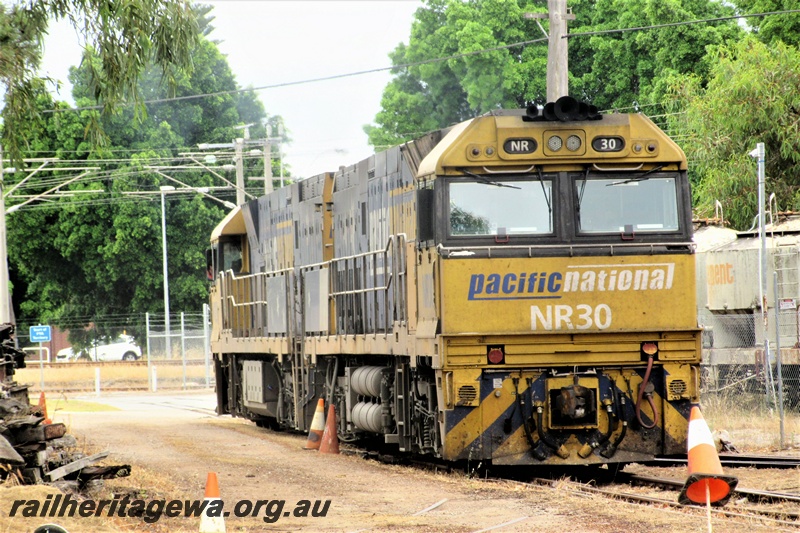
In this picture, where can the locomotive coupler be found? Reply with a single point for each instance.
(575, 401)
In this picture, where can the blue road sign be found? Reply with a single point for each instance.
(40, 333)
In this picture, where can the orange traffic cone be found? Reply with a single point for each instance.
(317, 427)
(330, 438)
(212, 519)
(706, 483)
(43, 408)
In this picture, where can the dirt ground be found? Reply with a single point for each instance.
(174, 441)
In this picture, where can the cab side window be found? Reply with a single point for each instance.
(232, 257)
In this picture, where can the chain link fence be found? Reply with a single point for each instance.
(736, 360)
(144, 354)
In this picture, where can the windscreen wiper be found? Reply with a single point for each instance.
(544, 191)
(583, 188)
(486, 180)
(637, 178)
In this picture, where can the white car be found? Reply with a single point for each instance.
(120, 349)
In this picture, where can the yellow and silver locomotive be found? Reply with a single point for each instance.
(517, 289)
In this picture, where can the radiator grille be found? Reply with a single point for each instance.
(467, 394)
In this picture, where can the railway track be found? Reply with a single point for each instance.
(752, 495)
(773, 508)
(770, 513)
(735, 460)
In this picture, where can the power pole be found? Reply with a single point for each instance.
(6, 307)
(238, 145)
(557, 59)
(267, 163)
(268, 142)
(5, 297)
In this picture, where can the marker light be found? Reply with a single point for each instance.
(496, 356)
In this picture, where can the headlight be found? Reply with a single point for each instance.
(554, 143)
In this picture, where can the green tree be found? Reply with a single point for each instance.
(127, 36)
(464, 222)
(427, 96)
(784, 27)
(622, 70)
(97, 258)
(192, 120)
(752, 96)
(610, 70)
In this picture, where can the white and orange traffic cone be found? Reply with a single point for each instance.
(706, 484)
(317, 427)
(43, 408)
(212, 519)
(330, 438)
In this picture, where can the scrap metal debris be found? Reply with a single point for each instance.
(32, 449)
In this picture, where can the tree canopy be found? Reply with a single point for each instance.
(126, 37)
(97, 257)
(752, 95)
(784, 27)
(480, 64)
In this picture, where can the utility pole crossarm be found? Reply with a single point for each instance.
(49, 191)
(26, 178)
(211, 170)
(195, 189)
(238, 148)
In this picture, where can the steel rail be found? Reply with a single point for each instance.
(773, 516)
(753, 495)
(734, 460)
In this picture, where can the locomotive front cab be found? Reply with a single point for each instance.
(227, 261)
(565, 293)
(229, 247)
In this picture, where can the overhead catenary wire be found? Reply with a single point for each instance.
(111, 174)
(406, 65)
(122, 172)
(432, 60)
(441, 59)
(683, 23)
(96, 202)
(311, 80)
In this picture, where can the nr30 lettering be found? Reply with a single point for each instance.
(559, 317)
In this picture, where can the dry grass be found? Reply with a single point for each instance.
(752, 423)
(143, 484)
(116, 376)
(62, 403)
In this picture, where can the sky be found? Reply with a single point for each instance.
(269, 42)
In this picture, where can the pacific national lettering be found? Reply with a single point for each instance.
(552, 285)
